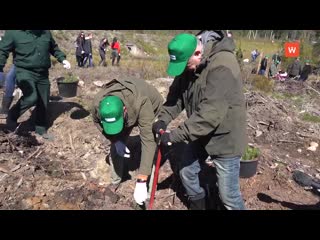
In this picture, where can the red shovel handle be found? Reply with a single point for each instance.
(156, 174)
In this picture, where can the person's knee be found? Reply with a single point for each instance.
(186, 174)
(31, 99)
(232, 199)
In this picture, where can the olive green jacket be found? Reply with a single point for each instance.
(32, 49)
(214, 102)
(143, 103)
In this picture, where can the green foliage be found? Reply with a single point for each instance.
(316, 53)
(310, 118)
(250, 153)
(278, 95)
(295, 100)
(146, 47)
(69, 78)
(262, 83)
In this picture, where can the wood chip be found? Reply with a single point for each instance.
(2, 169)
(15, 168)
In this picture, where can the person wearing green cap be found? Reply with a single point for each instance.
(209, 87)
(32, 50)
(116, 109)
(276, 58)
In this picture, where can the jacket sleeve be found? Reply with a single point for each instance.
(148, 144)
(55, 51)
(173, 105)
(211, 110)
(6, 46)
(94, 113)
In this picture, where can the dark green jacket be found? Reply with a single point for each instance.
(32, 49)
(214, 101)
(143, 103)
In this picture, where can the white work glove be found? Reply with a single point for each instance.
(66, 64)
(140, 192)
(122, 149)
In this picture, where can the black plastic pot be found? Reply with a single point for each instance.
(67, 89)
(248, 168)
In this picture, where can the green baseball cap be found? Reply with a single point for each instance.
(111, 114)
(180, 49)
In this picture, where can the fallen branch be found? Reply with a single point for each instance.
(264, 123)
(270, 124)
(15, 168)
(313, 89)
(262, 98)
(32, 154)
(71, 143)
(280, 161)
(306, 136)
(79, 170)
(287, 141)
(64, 173)
(39, 154)
(168, 195)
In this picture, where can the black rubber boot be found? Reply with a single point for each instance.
(11, 125)
(6, 103)
(199, 204)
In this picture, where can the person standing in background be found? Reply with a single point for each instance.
(104, 43)
(115, 54)
(32, 50)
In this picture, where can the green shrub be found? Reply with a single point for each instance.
(310, 118)
(69, 77)
(250, 153)
(262, 83)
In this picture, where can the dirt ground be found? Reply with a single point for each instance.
(72, 171)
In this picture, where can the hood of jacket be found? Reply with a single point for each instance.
(214, 41)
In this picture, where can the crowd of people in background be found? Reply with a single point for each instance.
(84, 53)
(272, 68)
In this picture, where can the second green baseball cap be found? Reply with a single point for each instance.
(111, 114)
(180, 49)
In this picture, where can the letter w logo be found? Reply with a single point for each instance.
(292, 49)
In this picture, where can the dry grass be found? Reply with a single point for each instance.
(261, 83)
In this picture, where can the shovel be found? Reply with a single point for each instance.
(156, 174)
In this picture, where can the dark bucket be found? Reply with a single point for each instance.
(67, 89)
(248, 168)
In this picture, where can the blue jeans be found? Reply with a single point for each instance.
(262, 71)
(227, 177)
(88, 57)
(10, 81)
